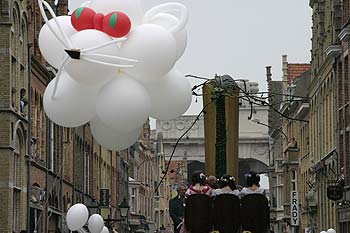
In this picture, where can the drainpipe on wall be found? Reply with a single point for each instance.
(110, 181)
(61, 178)
(74, 199)
(29, 132)
(48, 151)
(51, 146)
(319, 118)
(84, 166)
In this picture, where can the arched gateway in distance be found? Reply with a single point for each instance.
(253, 141)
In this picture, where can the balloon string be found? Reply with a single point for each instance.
(106, 63)
(103, 45)
(57, 23)
(86, 4)
(58, 77)
(169, 7)
(43, 14)
(109, 56)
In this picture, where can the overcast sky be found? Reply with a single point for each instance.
(240, 38)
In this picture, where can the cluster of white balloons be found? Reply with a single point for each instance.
(115, 84)
(330, 230)
(78, 216)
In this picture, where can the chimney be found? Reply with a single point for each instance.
(284, 68)
(268, 74)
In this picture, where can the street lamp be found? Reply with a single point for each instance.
(94, 208)
(124, 208)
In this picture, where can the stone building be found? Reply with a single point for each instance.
(45, 168)
(14, 115)
(253, 138)
(343, 119)
(286, 137)
(163, 194)
(276, 158)
(326, 22)
(143, 179)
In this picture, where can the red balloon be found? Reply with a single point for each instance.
(83, 18)
(116, 24)
(98, 20)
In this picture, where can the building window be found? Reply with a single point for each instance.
(133, 197)
(23, 100)
(16, 174)
(16, 211)
(279, 191)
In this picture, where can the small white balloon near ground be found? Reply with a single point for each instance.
(105, 230)
(331, 230)
(77, 216)
(72, 105)
(95, 223)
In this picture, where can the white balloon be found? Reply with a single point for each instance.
(331, 230)
(123, 104)
(132, 8)
(154, 48)
(105, 230)
(91, 73)
(95, 223)
(167, 21)
(110, 138)
(323, 232)
(74, 4)
(50, 47)
(77, 216)
(170, 96)
(72, 105)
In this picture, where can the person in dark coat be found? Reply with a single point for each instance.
(253, 184)
(255, 211)
(177, 207)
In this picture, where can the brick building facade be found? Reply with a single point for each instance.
(44, 168)
(286, 139)
(14, 115)
(323, 141)
(343, 131)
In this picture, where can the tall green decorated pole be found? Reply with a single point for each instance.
(221, 126)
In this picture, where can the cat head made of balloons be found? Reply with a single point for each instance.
(115, 67)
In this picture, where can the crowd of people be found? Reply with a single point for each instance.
(212, 187)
